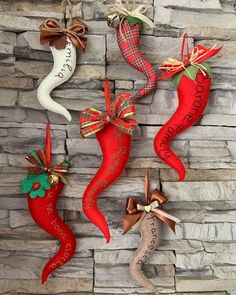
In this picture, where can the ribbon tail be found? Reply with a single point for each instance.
(145, 19)
(63, 178)
(209, 54)
(123, 126)
(168, 219)
(79, 42)
(48, 146)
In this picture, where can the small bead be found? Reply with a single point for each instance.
(36, 186)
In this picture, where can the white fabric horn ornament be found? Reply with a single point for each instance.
(63, 68)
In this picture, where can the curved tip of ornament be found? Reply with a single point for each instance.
(44, 278)
(108, 238)
(182, 175)
(67, 115)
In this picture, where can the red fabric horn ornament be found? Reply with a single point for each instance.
(113, 131)
(43, 186)
(192, 76)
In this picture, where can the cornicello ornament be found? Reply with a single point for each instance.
(113, 129)
(149, 216)
(192, 76)
(63, 42)
(43, 186)
(129, 25)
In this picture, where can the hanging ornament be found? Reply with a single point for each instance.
(43, 186)
(113, 131)
(129, 25)
(192, 76)
(149, 216)
(63, 42)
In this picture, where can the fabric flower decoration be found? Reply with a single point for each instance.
(35, 185)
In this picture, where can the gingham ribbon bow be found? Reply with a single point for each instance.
(41, 161)
(92, 120)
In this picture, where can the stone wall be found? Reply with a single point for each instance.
(201, 258)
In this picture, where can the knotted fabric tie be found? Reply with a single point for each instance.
(52, 32)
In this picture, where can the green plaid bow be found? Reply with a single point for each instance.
(38, 159)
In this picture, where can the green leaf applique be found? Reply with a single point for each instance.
(134, 20)
(191, 72)
(35, 185)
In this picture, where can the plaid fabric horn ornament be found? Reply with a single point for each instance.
(113, 129)
(129, 20)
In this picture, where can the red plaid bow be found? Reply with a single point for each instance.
(92, 120)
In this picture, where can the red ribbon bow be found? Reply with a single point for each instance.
(92, 120)
(52, 32)
(135, 210)
(198, 55)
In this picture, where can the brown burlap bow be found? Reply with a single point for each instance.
(52, 32)
(135, 210)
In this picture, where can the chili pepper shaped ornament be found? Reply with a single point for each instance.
(129, 25)
(113, 131)
(43, 186)
(149, 217)
(63, 42)
(192, 76)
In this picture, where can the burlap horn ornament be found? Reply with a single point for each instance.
(149, 216)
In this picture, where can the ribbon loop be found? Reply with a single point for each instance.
(52, 32)
(93, 120)
(135, 210)
(138, 12)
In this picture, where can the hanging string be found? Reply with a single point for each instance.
(48, 146)
(184, 41)
(146, 187)
(107, 96)
(64, 4)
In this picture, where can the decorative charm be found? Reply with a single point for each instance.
(129, 24)
(36, 185)
(192, 76)
(63, 43)
(113, 131)
(149, 217)
(43, 186)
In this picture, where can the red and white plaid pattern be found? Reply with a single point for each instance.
(128, 38)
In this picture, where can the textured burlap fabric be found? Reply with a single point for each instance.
(150, 230)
